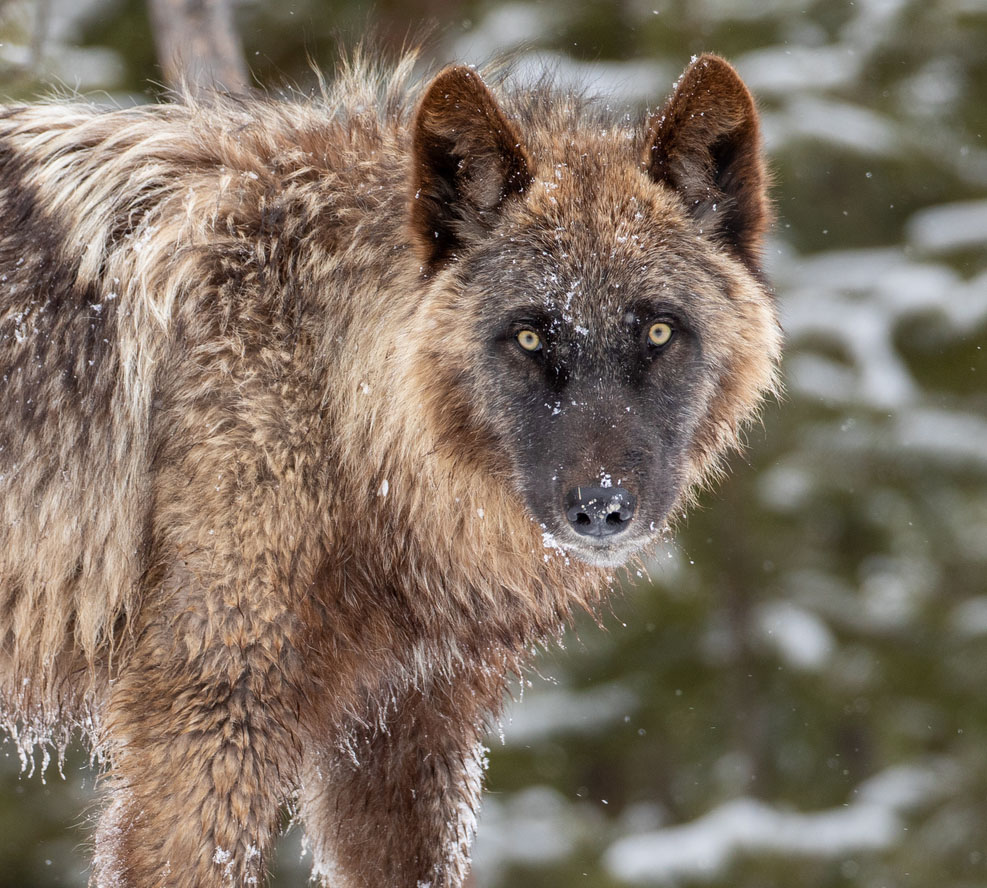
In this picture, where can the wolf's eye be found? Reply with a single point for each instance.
(529, 340)
(660, 334)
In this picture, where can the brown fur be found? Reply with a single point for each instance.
(267, 530)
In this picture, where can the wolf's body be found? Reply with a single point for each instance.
(282, 500)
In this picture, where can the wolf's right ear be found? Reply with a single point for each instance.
(467, 160)
(706, 145)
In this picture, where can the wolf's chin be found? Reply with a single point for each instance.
(606, 556)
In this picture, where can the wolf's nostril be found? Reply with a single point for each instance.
(599, 511)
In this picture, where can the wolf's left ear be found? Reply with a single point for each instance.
(467, 161)
(706, 145)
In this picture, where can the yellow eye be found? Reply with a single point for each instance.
(529, 340)
(660, 333)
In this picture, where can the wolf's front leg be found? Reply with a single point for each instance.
(201, 733)
(394, 804)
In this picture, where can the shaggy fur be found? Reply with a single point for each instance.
(282, 498)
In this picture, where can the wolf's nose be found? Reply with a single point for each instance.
(599, 511)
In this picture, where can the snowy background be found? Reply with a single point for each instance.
(798, 696)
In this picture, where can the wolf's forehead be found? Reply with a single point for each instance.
(588, 252)
(604, 276)
(615, 195)
(613, 216)
(580, 305)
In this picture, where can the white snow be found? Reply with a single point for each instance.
(535, 826)
(785, 488)
(856, 300)
(562, 711)
(222, 856)
(946, 436)
(783, 70)
(702, 849)
(514, 28)
(969, 618)
(950, 226)
(843, 124)
(801, 638)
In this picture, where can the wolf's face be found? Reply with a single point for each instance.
(593, 380)
(602, 332)
(598, 350)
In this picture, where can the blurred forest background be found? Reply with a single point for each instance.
(797, 696)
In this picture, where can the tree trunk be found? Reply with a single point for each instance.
(198, 47)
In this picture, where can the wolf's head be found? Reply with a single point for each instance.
(596, 320)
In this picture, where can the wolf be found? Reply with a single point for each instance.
(317, 416)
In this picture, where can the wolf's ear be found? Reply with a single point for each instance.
(467, 160)
(706, 145)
